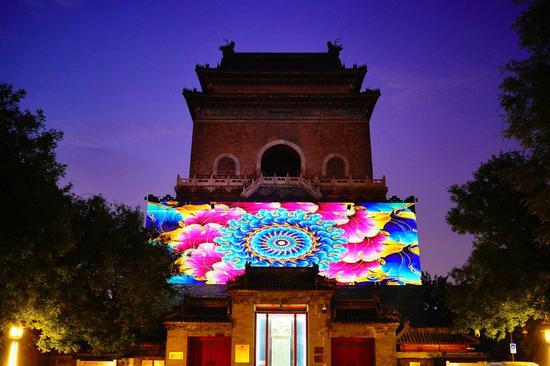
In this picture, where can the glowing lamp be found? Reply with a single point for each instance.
(547, 335)
(16, 332)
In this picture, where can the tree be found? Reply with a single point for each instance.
(435, 290)
(506, 280)
(525, 92)
(79, 271)
(35, 220)
(117, 290)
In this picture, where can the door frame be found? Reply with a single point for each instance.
(267, 311)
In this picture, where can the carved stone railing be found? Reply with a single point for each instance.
(349, 182)
(213, 181)
(250, 185)
(251, 188)
(273, 182)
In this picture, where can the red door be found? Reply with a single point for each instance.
(352, 352)
(209, 351)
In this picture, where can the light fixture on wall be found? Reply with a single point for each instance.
(324, 308)
(15, 334)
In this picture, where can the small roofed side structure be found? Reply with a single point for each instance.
(432, 346)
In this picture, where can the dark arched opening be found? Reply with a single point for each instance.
(281, 160)
(336, 168)
(226, 166)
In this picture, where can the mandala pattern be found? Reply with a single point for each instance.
(281, 239)
(353, 243)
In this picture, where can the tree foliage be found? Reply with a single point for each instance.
(79, 271)
(435, 290)
(116, 290)
(34, 217)
(525, 99)
(505, 281)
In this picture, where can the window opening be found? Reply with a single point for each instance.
(336, 168)
(226, 166)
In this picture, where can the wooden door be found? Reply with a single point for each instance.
(352, 352)
(209, 351)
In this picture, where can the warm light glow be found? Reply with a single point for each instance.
(547, 335)
(16, 332)
(12, 360)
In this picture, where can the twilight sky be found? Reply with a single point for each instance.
(110, 74)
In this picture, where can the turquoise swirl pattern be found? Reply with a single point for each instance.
(281, 239)
(352, 243)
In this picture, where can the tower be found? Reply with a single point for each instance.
(281, 126)
(279, 207)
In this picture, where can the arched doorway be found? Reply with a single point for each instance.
(281, 160)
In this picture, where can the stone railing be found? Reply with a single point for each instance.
(213, 181)
(275, 181)
(350, 182)
(250, 184)
(251, 188)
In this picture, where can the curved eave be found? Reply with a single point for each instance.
(366, 99)
(207, 75)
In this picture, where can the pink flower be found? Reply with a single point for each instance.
(197, 262)
(251, 207)
(368, 250)
(193, 235)
(219, 215)
(362, 224)
(222, 272)
(351, 272)
(335, 211)
(307, 207)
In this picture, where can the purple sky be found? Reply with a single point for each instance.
(110, 74)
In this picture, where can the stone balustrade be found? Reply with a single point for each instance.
(249, 184)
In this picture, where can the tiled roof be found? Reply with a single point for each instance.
(434, 336)
(361, 316)
(272, 279)
(280, 61)
(203, 314)
(407, 299)
(365, 310)
(205, 291)
(200, 309)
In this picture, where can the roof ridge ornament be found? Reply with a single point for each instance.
(228, 48)
(336, 47)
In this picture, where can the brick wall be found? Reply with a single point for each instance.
(316, 139)
(320, 328)
(178, 333)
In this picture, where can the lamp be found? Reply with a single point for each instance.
(15, 334)
(546, 329)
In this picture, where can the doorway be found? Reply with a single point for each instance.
(352, 352)
(281, 339)
(209, 351)
(281, 160)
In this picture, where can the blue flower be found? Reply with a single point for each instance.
(281, 239)
(403, 267)
(162, 217)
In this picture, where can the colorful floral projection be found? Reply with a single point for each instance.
(352, 243)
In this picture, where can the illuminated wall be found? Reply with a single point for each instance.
(354, 243)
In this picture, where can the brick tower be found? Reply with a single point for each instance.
(281, 204)
(281, 127)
